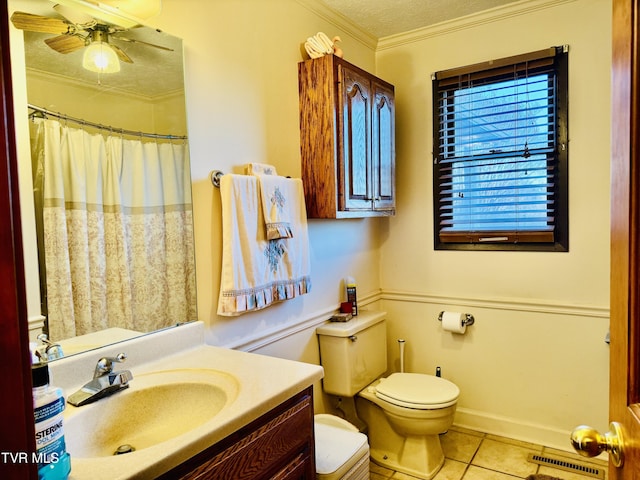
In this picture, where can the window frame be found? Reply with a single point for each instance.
(471, 240)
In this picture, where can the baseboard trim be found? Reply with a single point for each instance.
(513, 428)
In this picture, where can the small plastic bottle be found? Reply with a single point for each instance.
(352, 295)
(54, 463)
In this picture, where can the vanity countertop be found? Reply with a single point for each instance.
(263, 383)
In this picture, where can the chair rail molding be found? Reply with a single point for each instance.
(496, 303)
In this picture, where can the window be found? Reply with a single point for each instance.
(501, 154)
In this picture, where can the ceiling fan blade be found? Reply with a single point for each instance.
(37, 23)
(133, 40)
(65, 43)
(121, 55)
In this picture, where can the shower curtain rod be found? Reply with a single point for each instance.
(120, 131)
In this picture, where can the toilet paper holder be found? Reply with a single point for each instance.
(468, 319)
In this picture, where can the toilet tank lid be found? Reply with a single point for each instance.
(364, 319)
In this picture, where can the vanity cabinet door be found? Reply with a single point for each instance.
(279, 445)
(347, 140)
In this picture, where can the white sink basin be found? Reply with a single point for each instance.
(157, 407)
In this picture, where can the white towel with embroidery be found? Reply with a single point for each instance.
(278, 197)
(257, 272)
(272, 192)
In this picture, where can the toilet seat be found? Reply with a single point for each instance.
(417, 390)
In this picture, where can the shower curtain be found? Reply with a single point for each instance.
(118, 230)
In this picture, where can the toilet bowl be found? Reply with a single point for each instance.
(404, 413)
(406, 438)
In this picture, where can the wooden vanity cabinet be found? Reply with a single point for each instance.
(279, 445)
(347, 140)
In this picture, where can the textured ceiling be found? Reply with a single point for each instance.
(381, 18)
(154, 72)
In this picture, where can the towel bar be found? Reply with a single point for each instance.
(215, 177)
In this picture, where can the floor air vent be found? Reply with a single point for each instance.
(567, 466)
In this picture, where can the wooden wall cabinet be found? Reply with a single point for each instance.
(278, 445)
(347, 140)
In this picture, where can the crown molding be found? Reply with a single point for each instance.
(340, 21)
(511, 10)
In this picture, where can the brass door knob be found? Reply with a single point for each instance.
(588, 442)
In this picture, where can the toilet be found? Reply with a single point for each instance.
(403, 414)
(342, 452)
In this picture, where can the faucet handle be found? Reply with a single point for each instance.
(48, 350)
(105, 364)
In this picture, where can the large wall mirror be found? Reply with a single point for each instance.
(110, 174)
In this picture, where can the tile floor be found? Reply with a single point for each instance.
(471, 455)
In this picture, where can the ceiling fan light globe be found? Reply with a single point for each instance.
(99, 57)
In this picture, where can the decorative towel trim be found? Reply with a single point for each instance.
(236, 302)
(279, 230)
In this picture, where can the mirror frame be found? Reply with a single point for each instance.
(16, 409)
(38, 321)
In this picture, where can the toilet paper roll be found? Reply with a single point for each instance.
(454, 322)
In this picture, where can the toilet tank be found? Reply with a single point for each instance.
(353, 353)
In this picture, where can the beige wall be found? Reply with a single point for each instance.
(242, 106)
(535, 363)
(113, 108)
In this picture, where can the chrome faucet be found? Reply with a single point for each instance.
(105, 382)
(48, 350)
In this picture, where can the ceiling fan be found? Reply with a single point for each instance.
(76, 30)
